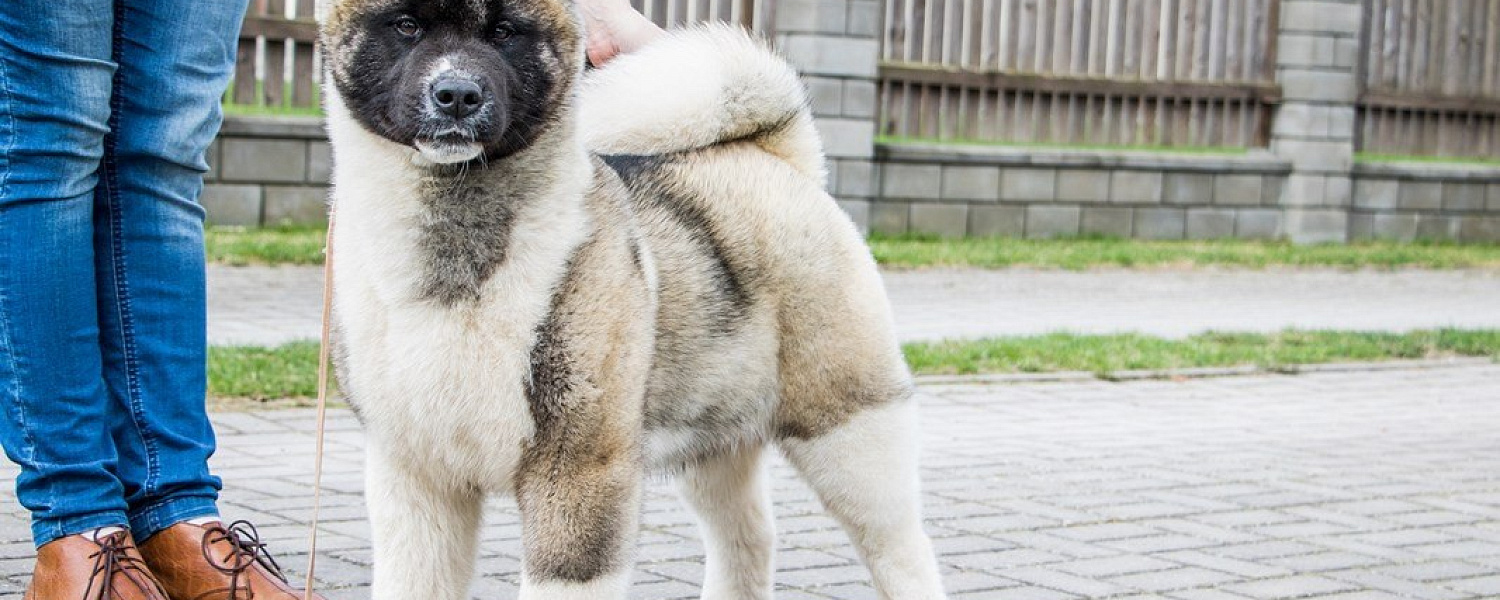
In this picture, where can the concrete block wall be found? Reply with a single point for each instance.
(268, 171)
(956, 191)
(835, 43)
(1406, 202)
(1316, 64)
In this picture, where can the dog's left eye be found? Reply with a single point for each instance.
(504, 30)
(407, 27)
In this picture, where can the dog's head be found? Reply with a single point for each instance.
(453, 79)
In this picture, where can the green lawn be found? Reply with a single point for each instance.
(258, 377)
(260, 373)
(277, 245)
(1103, 354)
(1077, 254)
(304, 246)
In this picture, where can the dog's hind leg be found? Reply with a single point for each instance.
(425, 536)
(865, 472)
(733, 503)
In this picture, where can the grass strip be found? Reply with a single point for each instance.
(1077, 254)
(263, 373)
(241, 246)
(304, 246)
(263, 377)
(1104, 354)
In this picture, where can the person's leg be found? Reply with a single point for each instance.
(55, 73)
(175, 60)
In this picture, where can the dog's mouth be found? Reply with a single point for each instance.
(447, 148)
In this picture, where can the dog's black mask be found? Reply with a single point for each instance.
(456, 79)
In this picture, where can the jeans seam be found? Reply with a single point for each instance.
(110, 175)
(28, 436)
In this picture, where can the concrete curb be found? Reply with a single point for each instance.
(1199, 373)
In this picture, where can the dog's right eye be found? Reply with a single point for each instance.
(407, 27)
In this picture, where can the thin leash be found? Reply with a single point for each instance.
(312, 548)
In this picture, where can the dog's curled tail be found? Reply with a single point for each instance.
(696, 87)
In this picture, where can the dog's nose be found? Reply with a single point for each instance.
(457, 98)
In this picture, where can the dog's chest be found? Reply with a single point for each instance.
(444, 386)
(447, 390)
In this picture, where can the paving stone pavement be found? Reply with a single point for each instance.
(1338, 485)
(273, 305)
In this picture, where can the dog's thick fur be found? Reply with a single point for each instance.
(638, 271)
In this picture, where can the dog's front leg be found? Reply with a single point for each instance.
(425, 535)
(579, 513)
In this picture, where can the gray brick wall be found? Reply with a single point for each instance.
(1407, 202)
(1314, 127)
(835, 44)
(954, 191)
(268, 171)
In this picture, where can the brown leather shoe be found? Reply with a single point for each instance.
(215, 562)
(78, 567)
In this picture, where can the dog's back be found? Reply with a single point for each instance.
(772, 321)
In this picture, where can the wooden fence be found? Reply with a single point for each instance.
(277, 58)
(277, 64)
(1116, 72)
(757, 15)
(1431, 77)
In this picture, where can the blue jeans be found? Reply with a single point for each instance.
(106, 110)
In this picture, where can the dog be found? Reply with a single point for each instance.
(550, 283)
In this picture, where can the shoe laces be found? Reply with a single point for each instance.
(112, 558)
(245, 550)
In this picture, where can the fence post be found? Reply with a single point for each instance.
(835, 43)
(1317, 50)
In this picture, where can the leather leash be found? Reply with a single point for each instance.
(312, 549)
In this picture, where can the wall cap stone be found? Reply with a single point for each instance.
(310, 128)
(1420, 171)
(1252, 162)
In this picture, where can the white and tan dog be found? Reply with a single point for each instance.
(549, 284)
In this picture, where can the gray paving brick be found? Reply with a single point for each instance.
(1179, 578)
(1072, 584)
(1290, 587)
